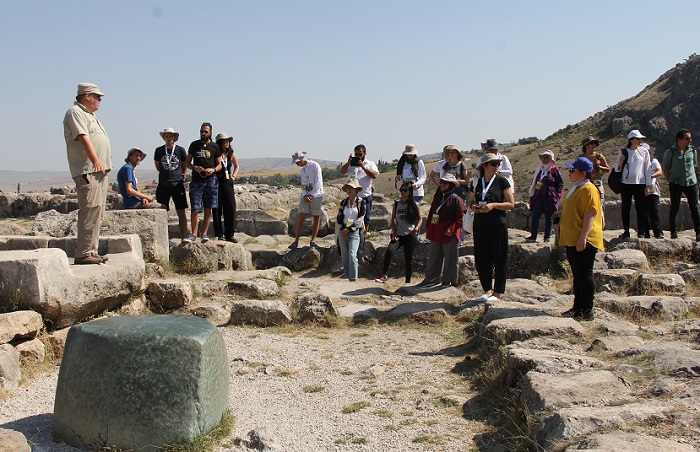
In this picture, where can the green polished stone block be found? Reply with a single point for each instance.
(140, 382)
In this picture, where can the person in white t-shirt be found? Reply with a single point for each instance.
(411, 169)
(506, 169)
(436, 172)
(652, 200)
(311, 196)
(633, 162)
(364, 171)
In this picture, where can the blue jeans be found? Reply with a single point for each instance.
(537, 211)
(348, 252)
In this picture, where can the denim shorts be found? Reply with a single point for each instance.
(204, 191)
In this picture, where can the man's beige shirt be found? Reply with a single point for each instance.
(79, 121)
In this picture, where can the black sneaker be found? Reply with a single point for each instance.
(571, 314)
(531, 239)
(586, 316)
(624, 235)
(674, 235)
(425, 283)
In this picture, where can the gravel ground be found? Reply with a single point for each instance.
(295, 382)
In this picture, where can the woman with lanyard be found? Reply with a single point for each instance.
(443, 227)
(491, 199)
(227, 195)
(634, 162)
(545, 192)
(581, 233)
(351, 214)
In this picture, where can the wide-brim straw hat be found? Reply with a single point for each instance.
(588, 140)
(410, 149)
(131, 151)
(450, 178)
(488, 158)
(352, 183)
(222, 136)
(170, 130)
(548, 153)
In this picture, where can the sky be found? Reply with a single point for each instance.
(323, 76)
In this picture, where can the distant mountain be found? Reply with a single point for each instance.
(39, 181)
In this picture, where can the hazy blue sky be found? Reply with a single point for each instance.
(323, 76)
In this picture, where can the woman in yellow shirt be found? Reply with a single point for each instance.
(581, 233)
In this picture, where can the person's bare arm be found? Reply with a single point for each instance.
(90, 153)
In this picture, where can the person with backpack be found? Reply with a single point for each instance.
(633, 162)
(410, 168)
(443, 228)
(680, 167)
(406, 220)
(545, 193)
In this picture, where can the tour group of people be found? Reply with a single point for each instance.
(575, 218)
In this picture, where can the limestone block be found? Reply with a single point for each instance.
(65, 294)
(302, 258)
(151, 225)
(568, 423)
(420, 311)
(264, 257)
(665, 307)
(19, 325)
(679, 327)
(256, 288)
(675, 358)
(519, 361)
(258, 222)
(33, 350)
(504, 310)
(209, 257)
(170, 293)
(10, 373)
(57, 340)
(633, 259)
(22, 242)
(12, 441)
(652, 283)
(314, 307)
(545, 392)
(621, 280)
(528, 259)
(616, 343)
(521, 328)
(324, 221)
(607, 323)
(260, 312)
(131, 382)
(628, 442)
(218, 315)
(380, 216)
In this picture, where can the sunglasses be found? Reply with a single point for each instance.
(572, 170)
(404, 190)
(495, 163)
(96, 96)
(204, 132)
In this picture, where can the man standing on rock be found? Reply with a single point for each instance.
(170, 160)
(89, 160)
(680, 169)
(365, 171)
(204, 157)
(311, 196)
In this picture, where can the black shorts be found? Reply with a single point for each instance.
(174, 190)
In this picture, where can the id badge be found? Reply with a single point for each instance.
(538, 186)
(228, 176)
(435, 219)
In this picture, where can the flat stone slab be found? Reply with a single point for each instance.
(665, 307)
(629, 442)
(519, 361)
(521, 328)
(627, 258)
(616, 343)
(542, 392)
(131, 382)
(44, 280)
(675, 358)
(678, 327)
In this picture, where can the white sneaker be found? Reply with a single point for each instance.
(484, 297)
(492, 298)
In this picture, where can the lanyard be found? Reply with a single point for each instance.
(485, 188)
(443, 203)
(543, 173)
(224, 162)
(169, 157)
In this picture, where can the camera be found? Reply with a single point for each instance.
(355, 161)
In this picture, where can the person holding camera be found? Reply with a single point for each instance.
(364, 171)
(406, 220)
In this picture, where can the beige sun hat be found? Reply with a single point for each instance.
(548, 153)
(89, 88)
(410, 149)
(352, 183)
(450, 178)
(131, 151)
(487, 158)
(223, 136)
(589, 139)
(298, 156)
(170, 130)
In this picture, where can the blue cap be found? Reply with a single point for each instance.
(581, 164)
